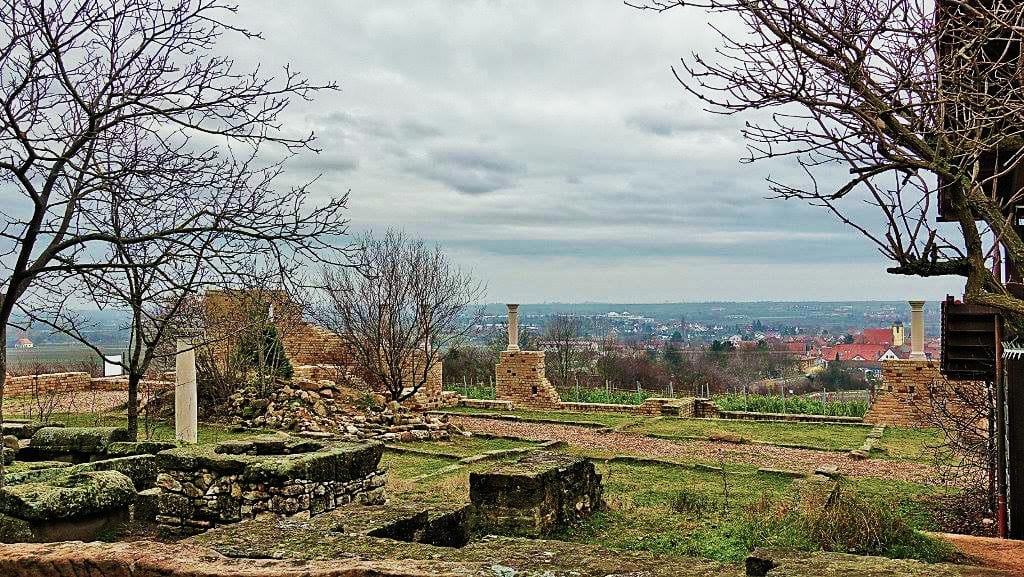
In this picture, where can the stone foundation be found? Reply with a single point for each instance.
(537, 496)
(203, 487)
(520, 379)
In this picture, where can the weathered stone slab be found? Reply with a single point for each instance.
(538, 495)
(25, 429)
(141, 469)
(77, 495)
(75, 444)
(129, 449)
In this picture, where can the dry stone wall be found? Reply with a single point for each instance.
(201, 488)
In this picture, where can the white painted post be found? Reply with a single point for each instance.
(186, 401)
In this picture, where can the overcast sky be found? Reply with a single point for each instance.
(547, 146)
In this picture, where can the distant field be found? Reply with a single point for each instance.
(59, 356)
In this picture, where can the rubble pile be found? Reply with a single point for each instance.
(323, 406)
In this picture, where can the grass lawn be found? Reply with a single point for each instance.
(161, 430)
(466, 446)
(815, 435)
(909, 444)
(669, 510)
(607, 419)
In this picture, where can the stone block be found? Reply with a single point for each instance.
(74, 495)
(129, 449)
(76, 444)
(536, 496)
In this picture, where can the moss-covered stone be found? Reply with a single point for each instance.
(147, 505)
(141, 469)
(75, 495)
(25, 429)
(343, 462)
(128, 449)
(14, 530)
(538, 495)
(74, 443)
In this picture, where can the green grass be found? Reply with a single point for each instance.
(909, 444)
(404, 466)
(612, 397)
(608, 419)
(818, 435)
(792, 405)
(482, 392)
(161, 430)
(466, 446)
(678, 511)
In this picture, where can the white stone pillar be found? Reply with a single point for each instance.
(513, 327)
(186, 398)
(917, 330)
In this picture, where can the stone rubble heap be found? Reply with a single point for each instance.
(308, 406)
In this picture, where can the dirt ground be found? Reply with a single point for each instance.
(990, 552)
(707, 451)
(78, 402)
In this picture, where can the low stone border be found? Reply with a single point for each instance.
(501, 417)
(661, 462)
(782, 472)
(874, 437)
(745, 442)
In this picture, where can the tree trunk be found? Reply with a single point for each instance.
(133, 406)
(3, 385)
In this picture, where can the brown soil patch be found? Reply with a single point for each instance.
(991, 552)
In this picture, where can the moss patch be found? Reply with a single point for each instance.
(68, 496)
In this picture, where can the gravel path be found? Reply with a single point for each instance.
(706, 451)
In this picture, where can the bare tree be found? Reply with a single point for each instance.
(919, 102)
(115, 112)
(400, 309)
(561, 337)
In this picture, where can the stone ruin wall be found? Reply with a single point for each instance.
(200, 491)
(60, 383)
(520, 379)
(315, 352)
(909, 391)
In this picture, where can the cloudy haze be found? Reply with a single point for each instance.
(547, 146)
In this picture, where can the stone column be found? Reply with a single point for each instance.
(513, 328)
(917, 330)
(186, 401)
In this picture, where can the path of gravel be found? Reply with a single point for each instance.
(706, 451)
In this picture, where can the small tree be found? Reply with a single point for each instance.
(561, 333)
(399, 309)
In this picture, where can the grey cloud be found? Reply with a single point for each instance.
(594, 157)
(469, 170)
(671, 120)
(323, 162)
